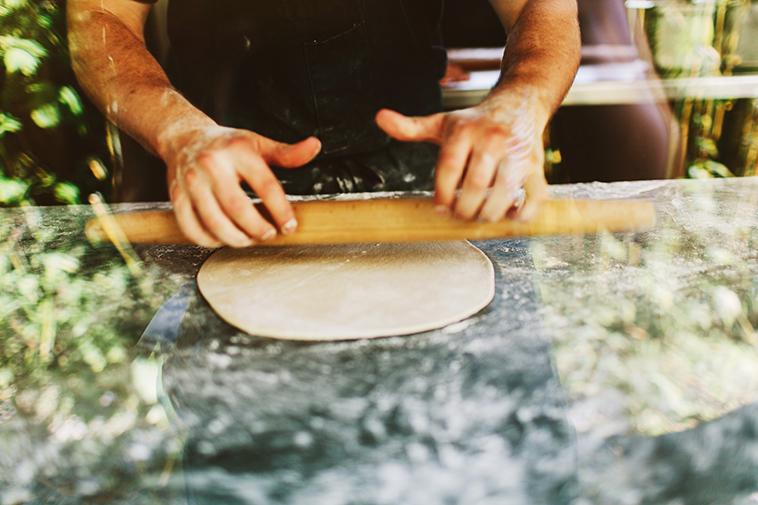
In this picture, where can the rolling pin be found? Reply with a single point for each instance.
(327, 222)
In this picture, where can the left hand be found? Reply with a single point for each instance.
(489, 153)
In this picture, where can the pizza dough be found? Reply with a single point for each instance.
(328, 293)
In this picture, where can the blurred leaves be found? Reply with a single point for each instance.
(67, 192)
(70, 318)
(71, 399)
(12, 190)
(708, 169)
(48, 133)
(8, 124)
(65, 308)
(70, 98)
(662, 325)
(47, 116)
(21, 55)
(689, 39)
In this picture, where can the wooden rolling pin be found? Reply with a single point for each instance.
(396, 220)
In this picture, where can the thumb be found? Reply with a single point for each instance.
(291, 155)
(411, 129)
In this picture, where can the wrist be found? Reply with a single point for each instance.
(176, 136)
(512, 95)
(179, 122)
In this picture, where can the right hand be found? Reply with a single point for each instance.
(205, 170)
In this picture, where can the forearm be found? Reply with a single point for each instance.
(541, 57)
(126, 82)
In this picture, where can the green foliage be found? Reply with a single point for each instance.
(21, 55)
(70, 316)
(708, 169)
(664, 321)
(67, 192)
(690, 39)
(8, 124)
(65, 308)
(46, 116)
(48, 133)
(12, 190)
(47, 309)
(70, 98)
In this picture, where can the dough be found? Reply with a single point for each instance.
(328, 293)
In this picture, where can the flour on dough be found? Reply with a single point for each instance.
(329, 293)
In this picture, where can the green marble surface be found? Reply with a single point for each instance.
(609, 369)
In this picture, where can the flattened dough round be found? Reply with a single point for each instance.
(329, 293)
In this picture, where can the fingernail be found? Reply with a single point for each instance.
(269, 235)
(290, 227)
(442, 210)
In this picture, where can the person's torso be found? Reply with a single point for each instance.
(293, 68)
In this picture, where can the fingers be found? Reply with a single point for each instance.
(211, 214)
(452, 162)
(411, 129)
(479, 176)
(289, 155)
(536, 193)
(504, 192)
(241, 210)
(188, 221)
(250, 164)
(211, 206)
(268, 188)
(233, 201)
(495, 174)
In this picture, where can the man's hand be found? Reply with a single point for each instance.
(493, 150)
(489, 153)
(206, 163)
(205, 170)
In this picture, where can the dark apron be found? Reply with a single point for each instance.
(288, 69)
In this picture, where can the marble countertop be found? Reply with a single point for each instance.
(609, 369)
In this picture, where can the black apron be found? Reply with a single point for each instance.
(288, 69)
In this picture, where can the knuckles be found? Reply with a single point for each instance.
(479, 180)
(210, 161)
(213, 223)
(462, 128)
(447, 162)
(496, 133)
(477, 127)
(191, 179)
(267, 186)
(207, 160)
(175, 192)
(210, 157)
(237, 206)
(240, 142)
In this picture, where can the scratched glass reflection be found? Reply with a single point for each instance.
(660, 326)
(78, 413)
(617, 368)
